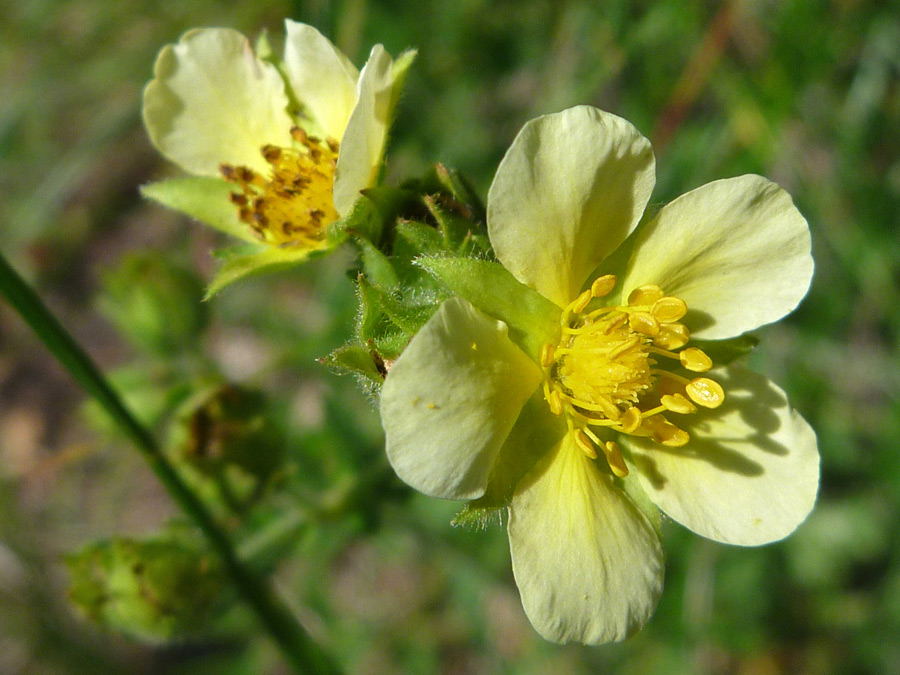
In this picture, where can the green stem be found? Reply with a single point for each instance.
(296, 644)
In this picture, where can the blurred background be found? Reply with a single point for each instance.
(805, 92)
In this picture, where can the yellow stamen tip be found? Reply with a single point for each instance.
(614, 458)
(666, 433)
(677, 404)
(630, 420)
(581, 302)
(672, 336)
(644, 323)
(584, 444)
(603, 286)
(669, 309)
(695, 359)
(555, 402)
(645, 295)
(706, 392)
(548, 353)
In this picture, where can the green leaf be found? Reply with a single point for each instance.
(532, 319)
(206, 199)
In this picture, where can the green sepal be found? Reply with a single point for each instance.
(372, 211)
(723, 352)
(399, 71)
(391, 343)
(458, 185)
(356, 360)
(263, 47)
(406, 316)
(421, 238)
(263, 260)
(377, 267)
(460, 234)
(532, 319)
(155, 590)
(204, 198)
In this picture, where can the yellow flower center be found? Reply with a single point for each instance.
(294, 203)
(603, 374)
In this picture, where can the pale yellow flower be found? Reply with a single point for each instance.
(576, 393)
(281, 147)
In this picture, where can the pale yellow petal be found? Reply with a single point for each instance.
(588, 564)
(736, 250)
(450, 400)
(212, 101)
(570, 189)
(362, 145)
(749, 474)
(321, 77)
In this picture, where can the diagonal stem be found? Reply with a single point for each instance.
(296, 644)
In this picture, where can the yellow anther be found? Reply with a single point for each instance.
(603, 373)
(666, 433)
(293, 203)
(581, 302)
(672, 336)
(602, 286)
(705, 392)
(609, 408)
(669, 309)
(548, 353)
(644, 323)
(677, 404)
(630, 420)
(555, 402)
(645, 295)
(614, 458)
(584, 444)
(695, 359)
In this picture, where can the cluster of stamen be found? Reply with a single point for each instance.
(294, 203)
(603, 374)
